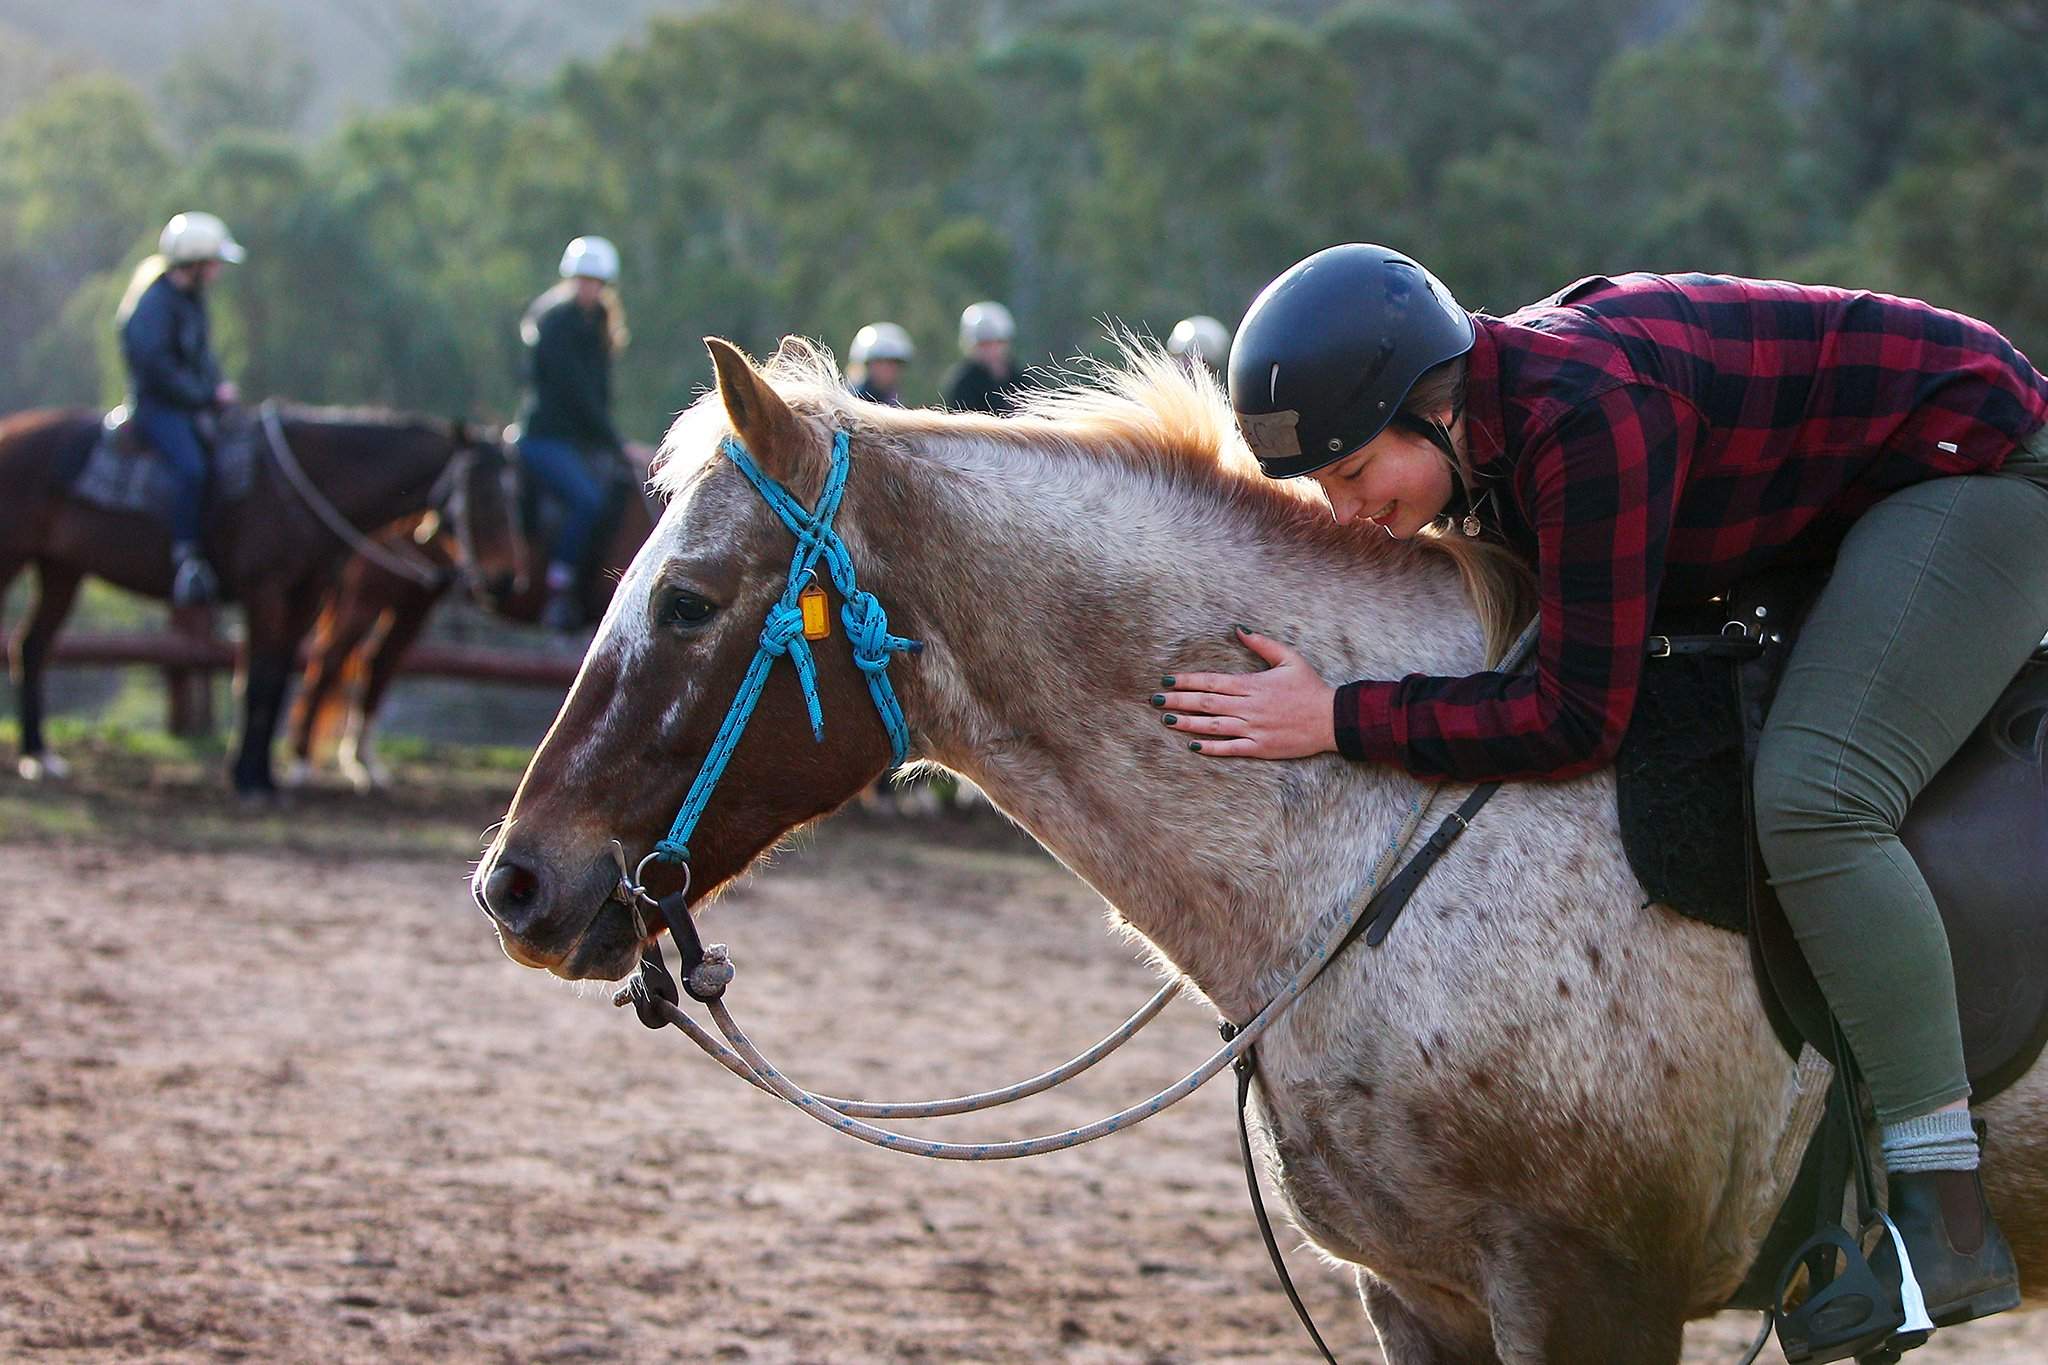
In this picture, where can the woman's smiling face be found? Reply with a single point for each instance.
(1399, 481)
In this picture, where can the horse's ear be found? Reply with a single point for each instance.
(765, 425)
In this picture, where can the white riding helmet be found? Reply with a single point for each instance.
(193, 237)
(1202, 337)
(591, 258)
(986, 321)
(881, 341)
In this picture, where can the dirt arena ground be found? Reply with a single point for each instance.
(269, 1091)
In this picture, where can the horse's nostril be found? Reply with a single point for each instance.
(510, 891)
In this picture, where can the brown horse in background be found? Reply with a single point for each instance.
(372, 616)
(271, 550)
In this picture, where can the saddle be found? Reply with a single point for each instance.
(1979, 831)
(121, 472)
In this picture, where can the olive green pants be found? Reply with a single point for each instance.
(1938, 596)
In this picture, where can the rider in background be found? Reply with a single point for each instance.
(875, 361)
(1654, 438)
(571, 333)
(174, 380)
(985, 380)
(1202, 340)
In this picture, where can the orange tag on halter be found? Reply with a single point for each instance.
(817, 624)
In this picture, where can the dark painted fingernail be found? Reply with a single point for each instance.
(1171, 720)
(1244, 629)
(1159, 699)
(1196, 745)
(1166, 681)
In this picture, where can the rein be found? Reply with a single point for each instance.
(331, 517)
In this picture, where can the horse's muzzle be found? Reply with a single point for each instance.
(568, 925)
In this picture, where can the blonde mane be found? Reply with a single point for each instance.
(1144, 410)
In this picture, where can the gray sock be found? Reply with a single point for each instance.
(1942, 1141)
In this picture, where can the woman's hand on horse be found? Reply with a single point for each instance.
(1285, 712)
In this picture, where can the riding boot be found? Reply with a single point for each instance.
(1961, 1259)
(192, 578)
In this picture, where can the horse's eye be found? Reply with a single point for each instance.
(678, 608)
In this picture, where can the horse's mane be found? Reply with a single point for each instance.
(1144, 410)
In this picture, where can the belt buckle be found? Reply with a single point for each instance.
(1660, 646)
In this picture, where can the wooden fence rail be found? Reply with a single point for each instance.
(189, 652)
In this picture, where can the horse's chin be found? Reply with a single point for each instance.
(608, 949)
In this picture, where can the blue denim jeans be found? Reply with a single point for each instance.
(174, 435)
(559, 467)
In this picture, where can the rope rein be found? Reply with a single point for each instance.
(746, 1061)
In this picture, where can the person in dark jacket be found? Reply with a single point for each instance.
(571, 333)
(174, 379)
(986, 379)
(875, 361)
(1653, 438)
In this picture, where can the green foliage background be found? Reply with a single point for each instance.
(776, 167)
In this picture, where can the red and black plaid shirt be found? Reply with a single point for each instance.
(1658, 437)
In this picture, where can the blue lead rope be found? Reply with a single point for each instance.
(867, 627)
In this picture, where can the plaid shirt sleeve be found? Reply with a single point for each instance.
(1599, 490)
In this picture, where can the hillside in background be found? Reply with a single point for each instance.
(806, 166)
(354, 51)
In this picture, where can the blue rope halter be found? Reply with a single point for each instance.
(867, 626)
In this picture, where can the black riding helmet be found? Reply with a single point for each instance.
(1327, 352)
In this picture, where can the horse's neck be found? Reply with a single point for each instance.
(373, 477)
(1053, 595)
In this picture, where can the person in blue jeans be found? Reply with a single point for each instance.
(571, 333)
(174, 379)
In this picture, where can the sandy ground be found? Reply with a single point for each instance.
(269, 1091)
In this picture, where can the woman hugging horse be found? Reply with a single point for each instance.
(1659, 438)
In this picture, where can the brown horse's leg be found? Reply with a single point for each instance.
(56, 590)
(343, 622)
(278, 620)
(1407, 1339)
(403, 623)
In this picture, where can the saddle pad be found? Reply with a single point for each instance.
(121, 481)
(1678, 779)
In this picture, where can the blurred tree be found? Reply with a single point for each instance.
(1426, 83)
(82, 172)
(1225, 158)
(1694, 162)
(466, 203)
(314, 314)
(444, 47)
(773, 175)
(244, 73)
(81, 184)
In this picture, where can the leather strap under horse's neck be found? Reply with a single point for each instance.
(1380, 913)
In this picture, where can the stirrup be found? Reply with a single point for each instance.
(1870, 1308)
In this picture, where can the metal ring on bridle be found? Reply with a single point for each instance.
(639, 883)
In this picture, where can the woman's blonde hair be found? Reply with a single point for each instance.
(147, 273)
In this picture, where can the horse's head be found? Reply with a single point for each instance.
(478, 514)
(674, 649)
